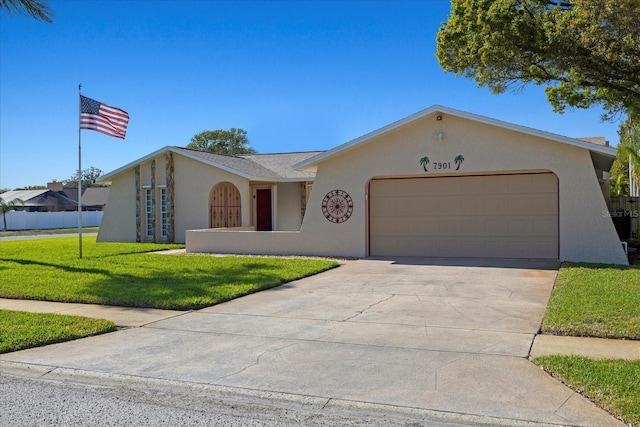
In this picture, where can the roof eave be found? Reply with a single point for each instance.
(109, 176)
(311, 163)
(276, 180)
(106, 178)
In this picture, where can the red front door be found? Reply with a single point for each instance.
(263, 209)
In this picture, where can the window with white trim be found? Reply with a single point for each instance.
(148, 198)
(164, 212)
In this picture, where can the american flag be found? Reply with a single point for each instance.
(100, 117)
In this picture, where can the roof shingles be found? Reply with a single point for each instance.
(265, 166)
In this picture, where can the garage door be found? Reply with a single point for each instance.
(501, 216)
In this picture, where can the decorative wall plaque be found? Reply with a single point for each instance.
(337, 206)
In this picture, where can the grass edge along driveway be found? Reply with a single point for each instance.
(600, 301)
(126, 274)
(123, 274)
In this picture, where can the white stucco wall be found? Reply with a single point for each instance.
(193, 183)
(289, 216)
(586, 234)
(119, 220)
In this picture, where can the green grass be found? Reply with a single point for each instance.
(613, 384)
(124, 274)
(595, 301)
(47, 231)
(20, 330)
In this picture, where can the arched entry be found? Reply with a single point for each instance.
(224, 206)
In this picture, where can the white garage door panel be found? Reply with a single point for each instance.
(502, 216)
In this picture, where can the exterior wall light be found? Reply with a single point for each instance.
(440, 136)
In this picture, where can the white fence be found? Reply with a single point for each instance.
(21, 220)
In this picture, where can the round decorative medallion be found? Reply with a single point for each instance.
(337, 206)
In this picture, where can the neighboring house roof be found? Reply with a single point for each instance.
(255, 167)
(35, 197)
(24, 195)
(598, 140)
(91, 196)
(602, 156)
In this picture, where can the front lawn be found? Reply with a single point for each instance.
(20, 330)
(47, 231)
(126, 274)
(613, 384)
(595, 301)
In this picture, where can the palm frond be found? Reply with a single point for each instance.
(37, 9)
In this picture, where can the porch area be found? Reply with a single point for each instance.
(245, 241)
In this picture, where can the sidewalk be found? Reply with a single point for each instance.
(594, 348)
(543, 345)
(121, 316)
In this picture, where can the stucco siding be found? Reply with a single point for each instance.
(432, 145)
(193, 183)
(245, 242)
(585, 233)
(119, 220)
(289, 216)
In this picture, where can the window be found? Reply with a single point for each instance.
(148, 197)
(164, 212)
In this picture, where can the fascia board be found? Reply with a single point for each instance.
(311, 163)
(534, 132)
(109, 176)
(276, 180)
(211, 163)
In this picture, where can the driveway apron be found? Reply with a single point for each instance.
(434, 334)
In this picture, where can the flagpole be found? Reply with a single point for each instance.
(79, 174)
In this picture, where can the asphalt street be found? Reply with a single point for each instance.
(104, 402)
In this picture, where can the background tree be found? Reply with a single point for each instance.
(89, 177)
(585, 51)
(232, 141)
(619, 187)
(37, 9)
(8, 205)
(33, 187)
(629, 149)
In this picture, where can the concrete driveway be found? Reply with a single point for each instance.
(437, 335)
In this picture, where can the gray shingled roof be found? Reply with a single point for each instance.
(282, 164)
(35, 197)
(24, 195)
(268, 166)
(91, 196)
(259, 167)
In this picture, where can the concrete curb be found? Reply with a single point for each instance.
(255, 396)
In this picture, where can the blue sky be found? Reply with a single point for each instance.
(296, 75)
